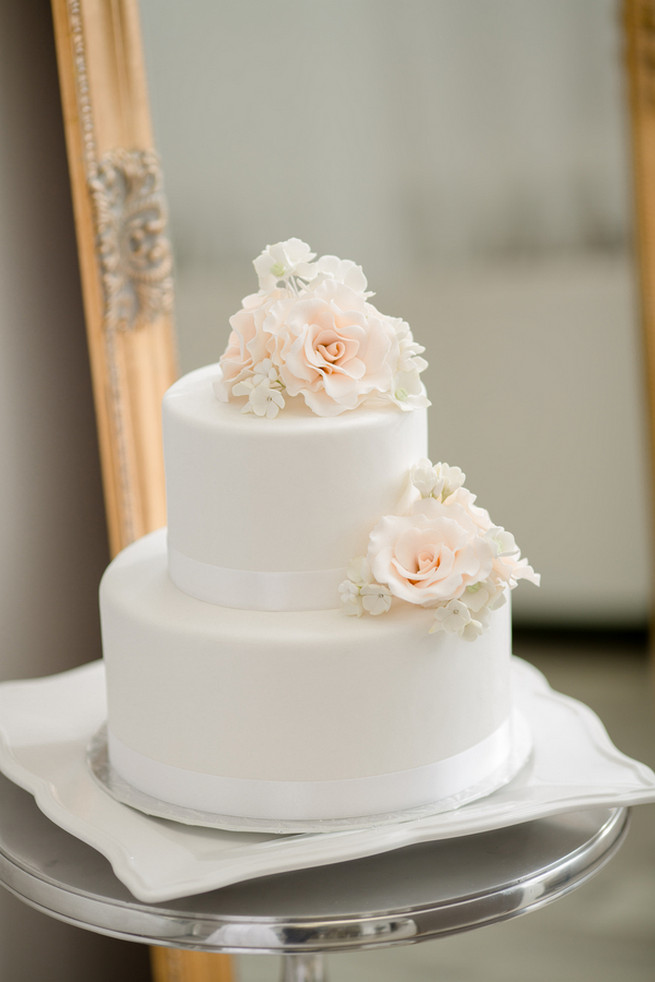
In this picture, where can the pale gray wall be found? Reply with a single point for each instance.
(407, 134)
(52, 531)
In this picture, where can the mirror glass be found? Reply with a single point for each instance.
(473, 158)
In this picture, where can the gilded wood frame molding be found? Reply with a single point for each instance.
(639, 42)
(124, 252)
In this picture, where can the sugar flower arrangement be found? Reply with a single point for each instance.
(441, 552)
(311, 331)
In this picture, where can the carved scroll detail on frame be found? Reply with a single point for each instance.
(134, 251)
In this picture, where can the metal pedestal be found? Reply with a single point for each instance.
(410, 895)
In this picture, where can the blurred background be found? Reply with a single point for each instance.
(474, 158)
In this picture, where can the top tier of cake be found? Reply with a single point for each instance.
(266, 514)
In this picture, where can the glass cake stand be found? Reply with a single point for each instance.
(410, 895)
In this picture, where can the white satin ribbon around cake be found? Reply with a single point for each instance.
(314, 800)
(252, 590)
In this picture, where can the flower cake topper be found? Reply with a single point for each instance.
(442, 552)
(310, 331)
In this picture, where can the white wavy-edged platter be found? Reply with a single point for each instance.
(46, 725)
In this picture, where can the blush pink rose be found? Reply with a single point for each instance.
(247, 344)
(430, 556)
(332, 348)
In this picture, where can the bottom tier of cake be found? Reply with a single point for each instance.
(303, 716)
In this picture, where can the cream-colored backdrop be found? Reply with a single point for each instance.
(473, 158)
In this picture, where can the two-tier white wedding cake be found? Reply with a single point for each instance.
(322, 633)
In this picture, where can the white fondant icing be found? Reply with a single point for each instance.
(297, 494)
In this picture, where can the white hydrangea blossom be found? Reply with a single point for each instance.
(449, 479)
(350, 598)
(455, 618)
(343, 271)
(409, 351)
(264, 371)
(262, 389)
(265, 401)
(438, 481)
(358, 593)
(503, 541)
(376, 598)
(282, 262)
(423, 477)
(407, 390)
(486, 595)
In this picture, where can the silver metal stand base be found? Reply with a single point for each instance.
(303, 968)
(428, 890)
